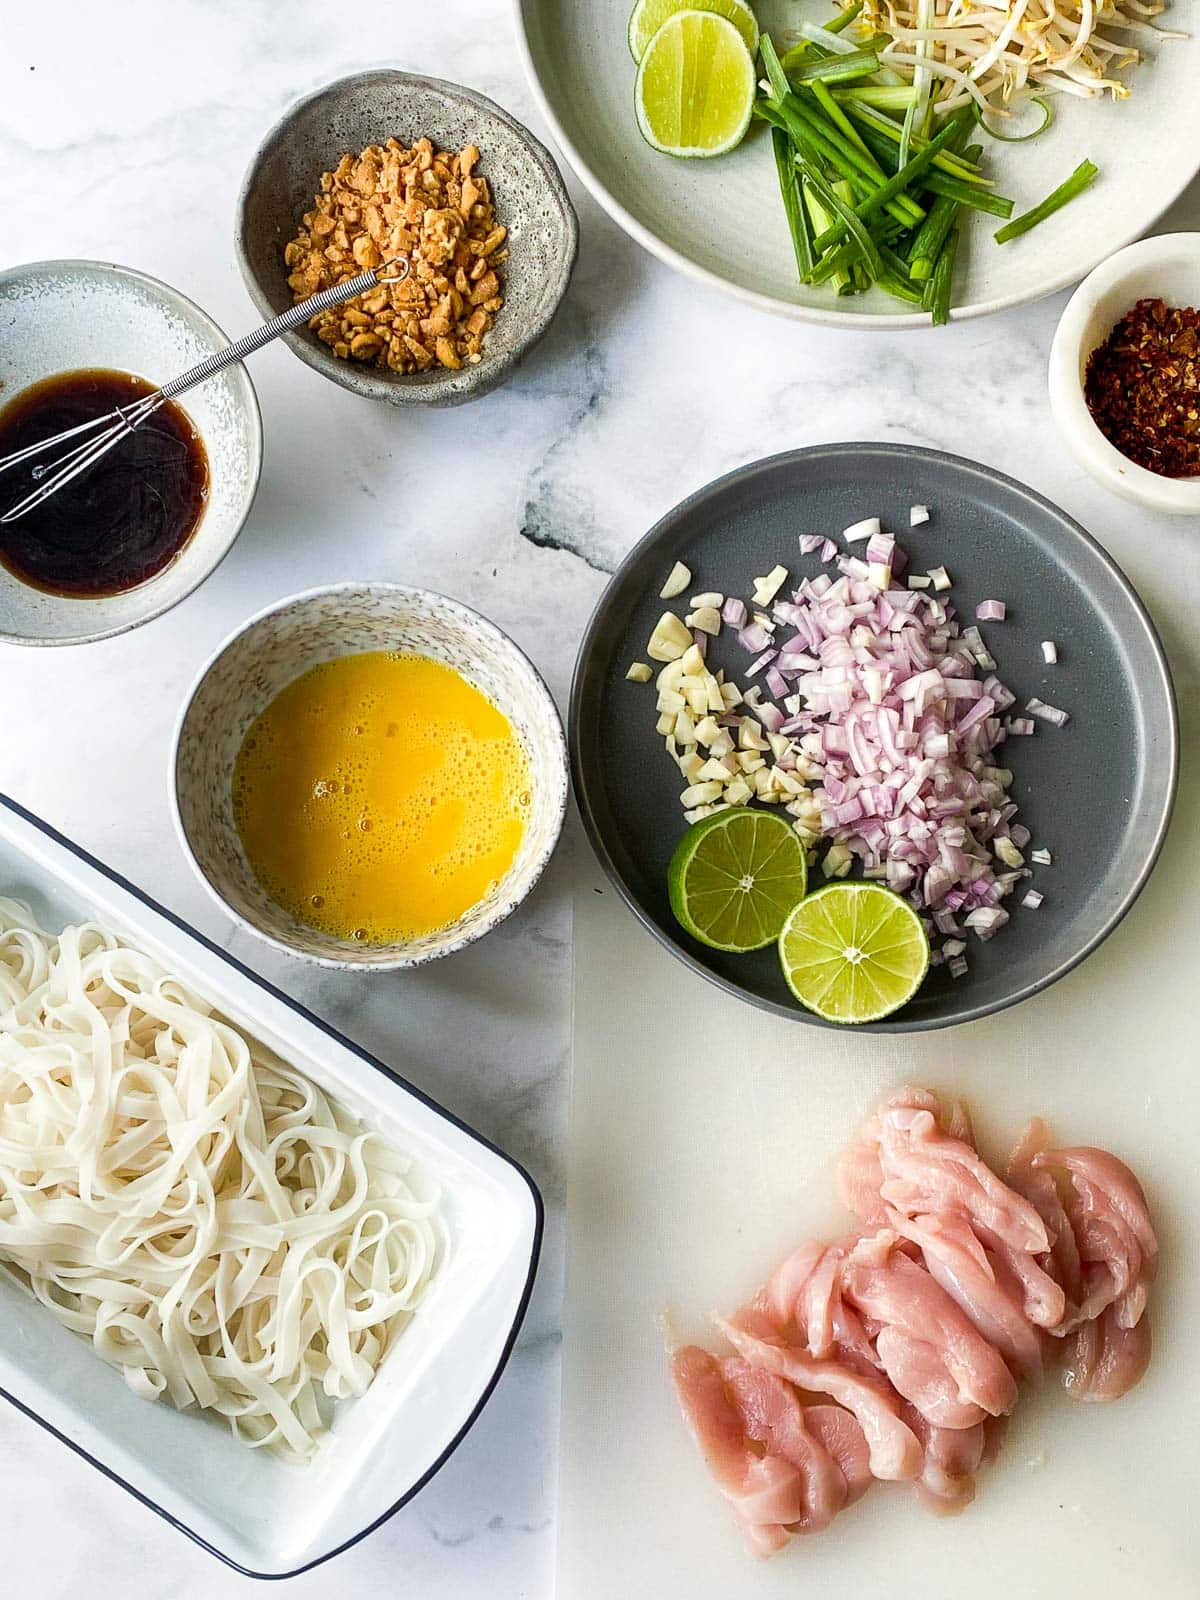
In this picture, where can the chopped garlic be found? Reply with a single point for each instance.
(731, 695)
(692, 663)
(716, 696)
(670, 676)
(714, 770)
(639, 672)
(679, 580)
(666, 723)
(698, 601)
(1008, 853)
(690, 766)
(701, 794)
(879, 575)
(670, 638)
(765, 589)
(669, 700)
(738, 792)
(706, 618)
(685, 732)
(940, 579)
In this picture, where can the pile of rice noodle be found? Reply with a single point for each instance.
(225, 1235)
(998, 53)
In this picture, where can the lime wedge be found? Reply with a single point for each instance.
(648, 17)
(695, 86)
(734, 878)
(853, 952)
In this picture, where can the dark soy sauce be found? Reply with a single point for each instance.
(125, 519)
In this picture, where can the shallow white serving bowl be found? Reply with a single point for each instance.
(1166, 267)
(264, 1517)
(276, 647)
(58, 316)
(722, 221)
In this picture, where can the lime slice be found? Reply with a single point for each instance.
(648, 17)
(695, 86)
(734, 878)
(853, 952)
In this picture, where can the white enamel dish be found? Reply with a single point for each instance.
(722, 222)
(268, 1519)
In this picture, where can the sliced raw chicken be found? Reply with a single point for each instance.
(983, 1285)
(772, 1417)
(894, 1449)
(1118, 1250)
(801, 1295)
(843, 1440)
(926, 1170)
(1102, 1360)
(765, 1491)
(952, 1458)
(930, 1349)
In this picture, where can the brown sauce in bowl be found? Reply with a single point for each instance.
(125, 519)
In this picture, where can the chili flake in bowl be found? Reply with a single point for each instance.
(395, 163)
(1124, 373)
(1143, 387)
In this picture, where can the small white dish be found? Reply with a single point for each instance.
(265, 1517)
(60, 316)
(1165, 267)
(276, 647)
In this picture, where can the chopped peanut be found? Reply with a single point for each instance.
(390, 201)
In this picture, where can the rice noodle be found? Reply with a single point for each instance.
(226, 1235)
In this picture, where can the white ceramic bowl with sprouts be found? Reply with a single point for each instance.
(1165, 267)
(273, 649)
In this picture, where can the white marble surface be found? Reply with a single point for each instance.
(124, 131)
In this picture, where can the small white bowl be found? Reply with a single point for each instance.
(59, 316)
(276, 647)
(1165, 267)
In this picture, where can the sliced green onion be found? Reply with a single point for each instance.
(931, 235)
(880, 95)
(833, 267)
(1085, 173)
(954, 165)
(837, 69)
(937, 290)
(789, 186)
(776, 77)
(1047, 111)
(853, 225)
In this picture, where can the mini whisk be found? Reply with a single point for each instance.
(98, 436)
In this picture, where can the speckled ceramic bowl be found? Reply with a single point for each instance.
(531, 202)
(58, 316)
(273, 649)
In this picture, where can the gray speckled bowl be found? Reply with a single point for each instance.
(58, 316)
(273, 649)
(367, 108)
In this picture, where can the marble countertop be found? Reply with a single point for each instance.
(124, 132)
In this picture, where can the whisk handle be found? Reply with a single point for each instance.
(396, 271)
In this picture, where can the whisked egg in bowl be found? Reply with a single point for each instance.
(369, 775)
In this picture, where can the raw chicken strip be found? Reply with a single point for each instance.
(894, 1449)
(1102, 1360)
(982, 1284)
(952, 1458)
(772, 1417)
(800, 1297)
(926, 1170)
(929, 1348)
(1118, 1250)
(843, 1440)
(765, 1491)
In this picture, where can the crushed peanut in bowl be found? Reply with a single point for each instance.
(423, 203)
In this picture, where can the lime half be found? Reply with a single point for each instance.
(734, 878)
(648, 17)
(853, 952)
(695, 86)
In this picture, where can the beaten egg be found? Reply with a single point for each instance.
(380, 796)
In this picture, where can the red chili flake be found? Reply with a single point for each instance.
(1143, 388)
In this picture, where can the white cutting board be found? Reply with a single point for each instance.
(702, 1141)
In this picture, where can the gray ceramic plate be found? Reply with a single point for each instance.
(1097, 793)
(367, 108)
